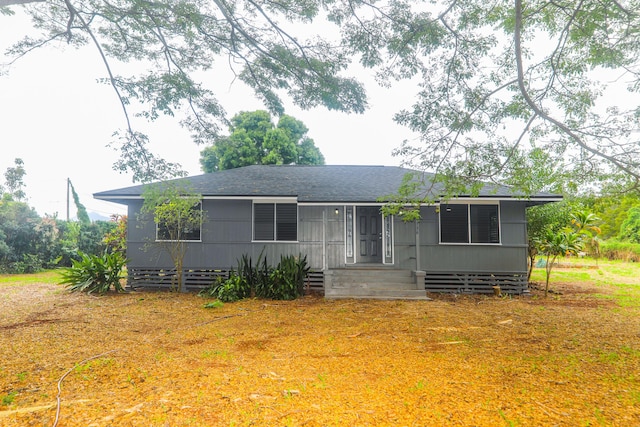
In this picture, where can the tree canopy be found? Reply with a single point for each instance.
(14, 181)
(497, 80)
(255, 140)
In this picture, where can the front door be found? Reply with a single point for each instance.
(369, 237)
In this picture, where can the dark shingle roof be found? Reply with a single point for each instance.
(331, 183)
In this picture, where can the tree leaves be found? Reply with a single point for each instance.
(497, 79)
(255, 140)
(175, 40)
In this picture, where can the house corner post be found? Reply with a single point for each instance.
(420, 276)
(418, 266)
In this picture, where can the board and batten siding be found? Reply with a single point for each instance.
(227, 235)
(510, 256)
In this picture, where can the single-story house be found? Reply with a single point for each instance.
(332, 214)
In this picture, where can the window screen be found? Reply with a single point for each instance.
(286, 221)
(275, 221)
(454, 223)
(484, 224)
(263, 221)
(469, 224)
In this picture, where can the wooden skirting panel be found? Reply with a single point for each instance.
(476, 283)
(458, 283)
(161, 278)
(314, 281)
(197, 279)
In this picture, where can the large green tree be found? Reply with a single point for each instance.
(497, 79)
(255, 140)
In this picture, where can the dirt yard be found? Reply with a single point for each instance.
(162, 359)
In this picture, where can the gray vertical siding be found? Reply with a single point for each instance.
(227, 235)
(508, 257)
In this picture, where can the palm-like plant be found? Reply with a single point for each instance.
(92, 273)
(555, 244)
(584, 223)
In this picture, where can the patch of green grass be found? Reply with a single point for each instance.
(83, 368)
(322, 381)
(627, 295)
(8, 398)
(49, 277)
(571, 275)
(421, 385)
(214, 304)
(627, 269)
(223, 354)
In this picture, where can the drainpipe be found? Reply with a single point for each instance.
(418, 246)
(324, 239)
(419, 274)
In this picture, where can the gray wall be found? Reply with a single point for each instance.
(226, 236)
(509, 257)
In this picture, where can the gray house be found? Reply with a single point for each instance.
(332, 215)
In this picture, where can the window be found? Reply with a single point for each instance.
(484, 224)
(275, 221)
(178, 227)
(459, 221)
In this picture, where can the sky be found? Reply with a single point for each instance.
(59, 120)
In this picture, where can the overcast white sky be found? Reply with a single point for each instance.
(59, 121)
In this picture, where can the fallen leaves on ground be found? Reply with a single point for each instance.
(163, 359)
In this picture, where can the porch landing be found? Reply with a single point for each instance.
(374, 283)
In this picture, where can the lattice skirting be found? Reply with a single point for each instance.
(458, 283)
(476, 283)
(196, 279)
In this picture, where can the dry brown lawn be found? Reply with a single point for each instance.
(163, 359)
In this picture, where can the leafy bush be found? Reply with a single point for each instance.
(232, 289)
(93, 273)
(616, 250)
(256, 276)
(284, 282)
(29, 264)
(630, 228)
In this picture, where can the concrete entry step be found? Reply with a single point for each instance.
(373, 283)
(361, 293)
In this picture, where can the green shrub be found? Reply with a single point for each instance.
(284, 282)
(624, 251)
(93, 273)
(232, 289)
(256, 277)
(29, 264)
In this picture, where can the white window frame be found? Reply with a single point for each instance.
(181, 240)
(274, 202)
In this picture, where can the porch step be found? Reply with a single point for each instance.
(371, 293)
(373, 283)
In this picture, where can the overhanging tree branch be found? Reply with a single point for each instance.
(540, 112)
